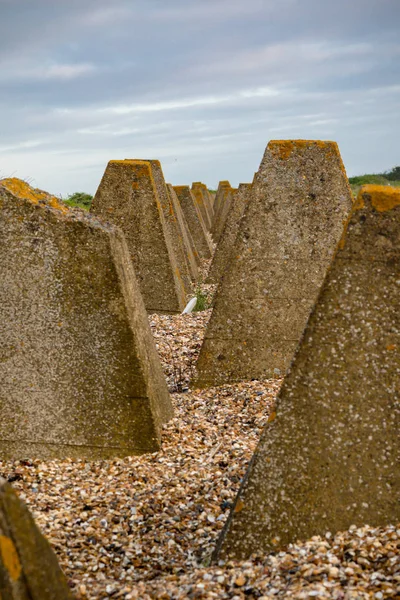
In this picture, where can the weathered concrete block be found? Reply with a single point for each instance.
(79, 371)
(28, 566)
(127, 197)
(172, 225)
(194, 220)
(207, 198)
(329, 456)
(300, 199)
(223, 202)
(202, 199)
(218, 196)
(192, 256)
(226, 243)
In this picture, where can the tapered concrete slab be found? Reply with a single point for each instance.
(190, 250)
(223, 202)
(79, 371)
(127, 197)
(28, 566)
(173, 226)
(194, 220)
(225, 246)
(299, 202)
(329, 456)
(201, 197)
(218, 196)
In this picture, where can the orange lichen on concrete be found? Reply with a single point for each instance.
(142, 167)
(22, 189)
(10, 558)
(383, 197)
(284, 148)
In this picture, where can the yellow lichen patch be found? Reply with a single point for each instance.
(54, 203)
(198, 196)
(9, 557)
(284, 148)
(178, 275)
(22, 189)
(383, 197)
(141, 166)
(239, 506)
(141, 169)
(359, 202)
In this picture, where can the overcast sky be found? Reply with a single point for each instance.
(202, 85)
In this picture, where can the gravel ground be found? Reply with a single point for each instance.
(144, 527)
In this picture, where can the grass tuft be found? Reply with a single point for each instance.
(202, 302)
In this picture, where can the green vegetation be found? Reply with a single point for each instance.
(366, 179)
(202, 301)
(391, 177)
(80, 200)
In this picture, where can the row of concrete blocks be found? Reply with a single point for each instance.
(71, 307)
(306, 264)
(79, 370)
(168, 229)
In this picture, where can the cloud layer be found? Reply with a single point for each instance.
(202, 85)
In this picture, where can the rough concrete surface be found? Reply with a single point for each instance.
(194, 220)
(191, 253)
(329, 456)
(218, 196)
(222, 204)
(226, 243)
(299, 202)
(28, 566)
(208, 201)
(79, 371)
(172, 225)
(200, 194)
(127, 197)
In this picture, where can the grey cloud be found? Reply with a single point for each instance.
(201, 85)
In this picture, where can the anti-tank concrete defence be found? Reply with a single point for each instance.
(28, 566)
(299, 202)
(329, 456)
(208, 201)
(189, 248)
(194, 220)
(127, 197)
(226, 243)
(172, 225)
(201, 197)
(223, 202)
(218, 198)
(79, 371)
